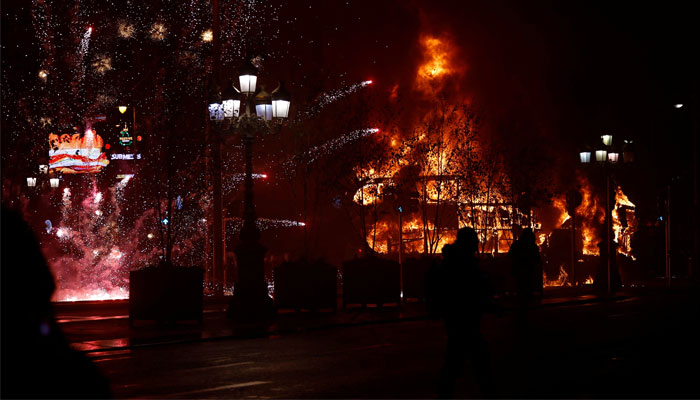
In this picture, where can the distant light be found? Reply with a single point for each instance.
(150, 236)
(107, 146)
(98, 212)
(90, 29)
(54, 182)
(139, 138)
(60, 232)
(679, 105)
(264, 176)
(369, 82)
(122, 109)
(43, 75)
(208, 35)
(302, 224)
(31, 181)
(165, 221)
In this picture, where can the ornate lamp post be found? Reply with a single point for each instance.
(606, 156)
(250, 299)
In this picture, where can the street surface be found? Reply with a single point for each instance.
(641, 347)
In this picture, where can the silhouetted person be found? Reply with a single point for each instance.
(37, 361)
(526, 267)
(467, 294)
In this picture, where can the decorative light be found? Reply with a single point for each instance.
(613, 156)
(601, 155)
(122, 109)
(607, 139)
(263, 104)
(31, 181)
(43, 75)
(207, 36)
(216, 109)
(679, 105)
(585, 157)
(150, 236)
(231, 101)
(248, 77)
(281, 99)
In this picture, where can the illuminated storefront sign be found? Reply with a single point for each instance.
(76, 153)
(118, 156)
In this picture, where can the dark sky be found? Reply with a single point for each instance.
(569, 70)
(574, 69)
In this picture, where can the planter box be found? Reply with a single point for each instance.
(301, 285)
(166, 294)
(371, 280)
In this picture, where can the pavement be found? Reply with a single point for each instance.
(103, 326)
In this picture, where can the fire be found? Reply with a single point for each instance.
(438, 53)
(560, 281)
(624, 222)
(590, 217)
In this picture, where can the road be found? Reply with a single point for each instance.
(642, 347)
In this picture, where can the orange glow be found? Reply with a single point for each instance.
(438, 54)
(560, 281)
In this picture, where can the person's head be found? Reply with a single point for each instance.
(527, 236)
(467, 237)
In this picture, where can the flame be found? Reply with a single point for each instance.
(623, 234)
(562, 279)
(438, 53)
(589, 280)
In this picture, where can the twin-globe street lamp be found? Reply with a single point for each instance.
(607, 156)
(250, 299)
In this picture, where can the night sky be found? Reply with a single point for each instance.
(562, 72)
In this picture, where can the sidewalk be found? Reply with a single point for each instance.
(95, 327)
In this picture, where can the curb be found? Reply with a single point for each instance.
(287, 331)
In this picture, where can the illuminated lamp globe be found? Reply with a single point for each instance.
(281, 99)
(585, 157)
(216, 109)
(263, 104)
(231, 101)
(248, 78)
(54, 182)
(31, 181)
(607, 139)
(601, 155)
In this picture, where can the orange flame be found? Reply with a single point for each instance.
(438, 53)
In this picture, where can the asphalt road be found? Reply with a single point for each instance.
(641, 347)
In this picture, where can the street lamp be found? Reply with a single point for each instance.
(250, 299)
(607, 156)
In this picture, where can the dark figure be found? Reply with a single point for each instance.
(526, 267)
(467, 294)
(37, 361)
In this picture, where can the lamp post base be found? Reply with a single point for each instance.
(251, 301)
